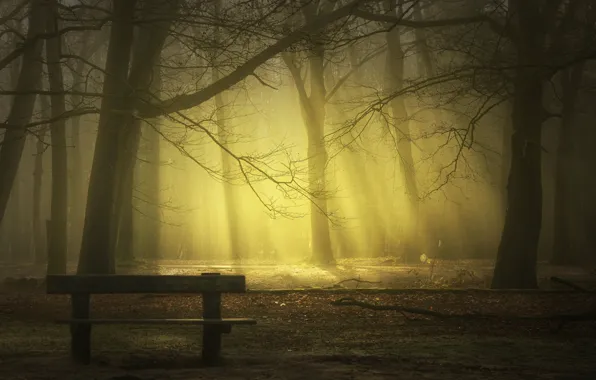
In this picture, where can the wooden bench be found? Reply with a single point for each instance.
(210, 285)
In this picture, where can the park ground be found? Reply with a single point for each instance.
(304, 334)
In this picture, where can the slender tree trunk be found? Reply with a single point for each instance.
(395, 74)
(21, 110)
(564, 253)
(96, 256)
(317, 158)
(77, 178)
(230, 194)
(152, 180)
(59, 206)
(424, 57)
(40, 147)
(369, 207)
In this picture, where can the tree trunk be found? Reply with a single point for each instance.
(223, 132)
(146, 52)
(39, 240)
(77, 177)
(59, 204)
(505, 162)
(21, 110)
(152, 228)
(370, 210)
(395, 74)
(317, 158)
(515, 267)
(77, 195)
(96, 256)
(564, 253)
(16, 239)
(424, 57)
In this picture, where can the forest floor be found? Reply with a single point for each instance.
(302, 334)
(383, 272)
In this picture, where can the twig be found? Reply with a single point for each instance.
(357, 280)
(570, 284)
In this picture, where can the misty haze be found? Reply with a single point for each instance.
(321, 189)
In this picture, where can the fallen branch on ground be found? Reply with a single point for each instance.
(569, 283)
(357, 280)
(561, 318)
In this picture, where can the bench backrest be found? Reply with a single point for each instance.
(121, 284)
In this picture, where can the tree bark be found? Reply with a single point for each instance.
(223, 132)
(21, 110)
(39, 239)
(96, 256)
(564, 252)
(313, 111)
(370, 210)
(515, 267)
(146, 52)
(313, 114)
(395, 74)
(151, 179)
(59, 204)
(424, 57)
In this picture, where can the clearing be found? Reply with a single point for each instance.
(301, 335)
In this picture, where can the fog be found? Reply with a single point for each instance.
(387, 133)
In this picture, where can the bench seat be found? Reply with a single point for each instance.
(198, 321)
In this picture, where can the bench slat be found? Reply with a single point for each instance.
(225, 321)
(123, 284)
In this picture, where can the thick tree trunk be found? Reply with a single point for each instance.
(505, 162)
(146, 52)
(96, 256)
(564, 252)
(515, 267)
(16, 238)
(516, 258)
(77, 177)
(21, 110)
(59, 204)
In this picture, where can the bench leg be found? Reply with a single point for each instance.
(211, 333)
(80, 345)
(80, 334)
(211, 345)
